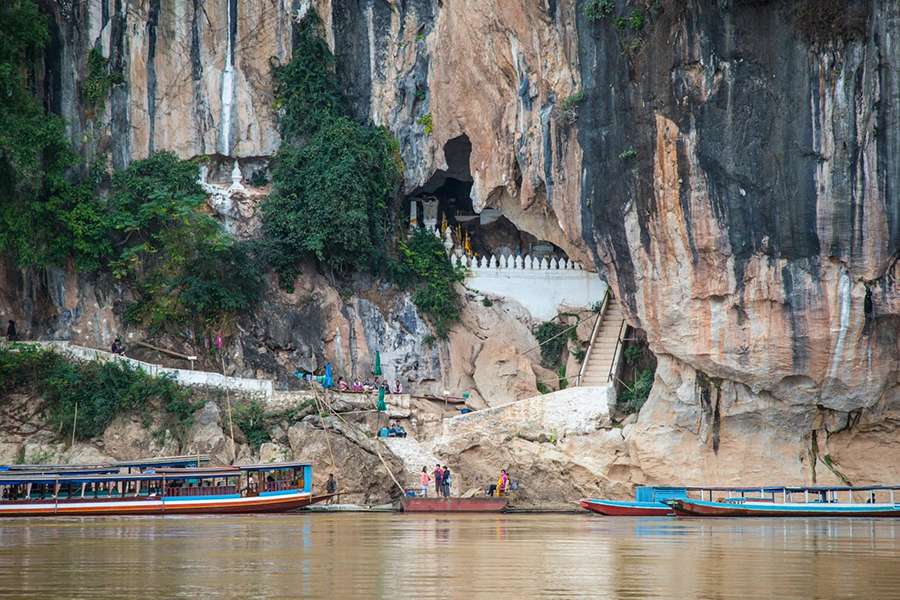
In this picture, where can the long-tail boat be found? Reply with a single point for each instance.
(274, 487)
(782, 501)
(649, 501)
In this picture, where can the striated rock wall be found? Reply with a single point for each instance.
(733, 170)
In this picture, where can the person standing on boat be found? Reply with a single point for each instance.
(331, 487)
(438, 484)
(424, 480)
(445, 481)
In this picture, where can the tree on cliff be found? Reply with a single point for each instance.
(335, 179)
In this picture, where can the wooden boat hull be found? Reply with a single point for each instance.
(700, 508)
(211, 505)
(614, 508)
(477, 504)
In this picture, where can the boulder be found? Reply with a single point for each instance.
(360, 473)
(207, 437)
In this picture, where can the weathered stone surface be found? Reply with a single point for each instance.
(360, 473)
(493, 352)
(207, 437)
(270, 452)
(131, 437)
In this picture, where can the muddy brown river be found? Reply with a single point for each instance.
(487, 556)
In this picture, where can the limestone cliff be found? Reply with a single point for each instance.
(732, 167)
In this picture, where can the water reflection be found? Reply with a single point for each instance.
(421, 556)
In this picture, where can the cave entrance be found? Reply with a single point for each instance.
(444, 201)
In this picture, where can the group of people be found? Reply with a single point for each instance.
(395, 430)
(502, 486)
(441, 477)
(369, 385)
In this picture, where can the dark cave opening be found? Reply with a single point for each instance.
(444, 201)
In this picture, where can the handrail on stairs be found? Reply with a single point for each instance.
(617, 352)
(587, 353)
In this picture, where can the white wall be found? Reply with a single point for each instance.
(263, 387)
(537, 286)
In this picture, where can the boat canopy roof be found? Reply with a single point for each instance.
(194, 460)
(79, 478)
(779, 488)
(273, 466)
(63, 469)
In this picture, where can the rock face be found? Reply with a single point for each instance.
(731, 167)
(361, 475)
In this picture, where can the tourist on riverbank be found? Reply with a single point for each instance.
(438, 484)
(502, 482)
(11, 331)
(424, 480)
(398, 389)
(445, 481)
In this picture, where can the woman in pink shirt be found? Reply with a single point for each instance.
(424, 480)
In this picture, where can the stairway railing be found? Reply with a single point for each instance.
(597, 322)
(617, 354)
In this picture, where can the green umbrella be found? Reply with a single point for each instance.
(380, 405)
(376, 371)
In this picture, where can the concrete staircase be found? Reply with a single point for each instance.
(605, 349)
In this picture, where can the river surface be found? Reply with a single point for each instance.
(373, 555)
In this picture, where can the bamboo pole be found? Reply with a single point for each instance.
(74, 423)
(377, 452)
(325, 427)
(230, 415)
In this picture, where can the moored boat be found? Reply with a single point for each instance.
(275, 487)
(867, 501)
(649, 502)
(438, 504)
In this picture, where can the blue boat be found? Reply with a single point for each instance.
(814, 501)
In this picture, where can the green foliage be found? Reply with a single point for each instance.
(335, 179)
(100, 390)
(632, 398)
(549, 336)
(572, 102)
(426, 123)
(628, 154)
(34, 151)
(150, 230)
(621, 23)
(306, 90)
(425, 267)
(185, 269)
(597, 10)
(632, 354)
(487, 302)
(95, 87)
(332, 195)
(563, 380)
(259, 178)
(578, 353)
(250, 417)
(636, 20)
